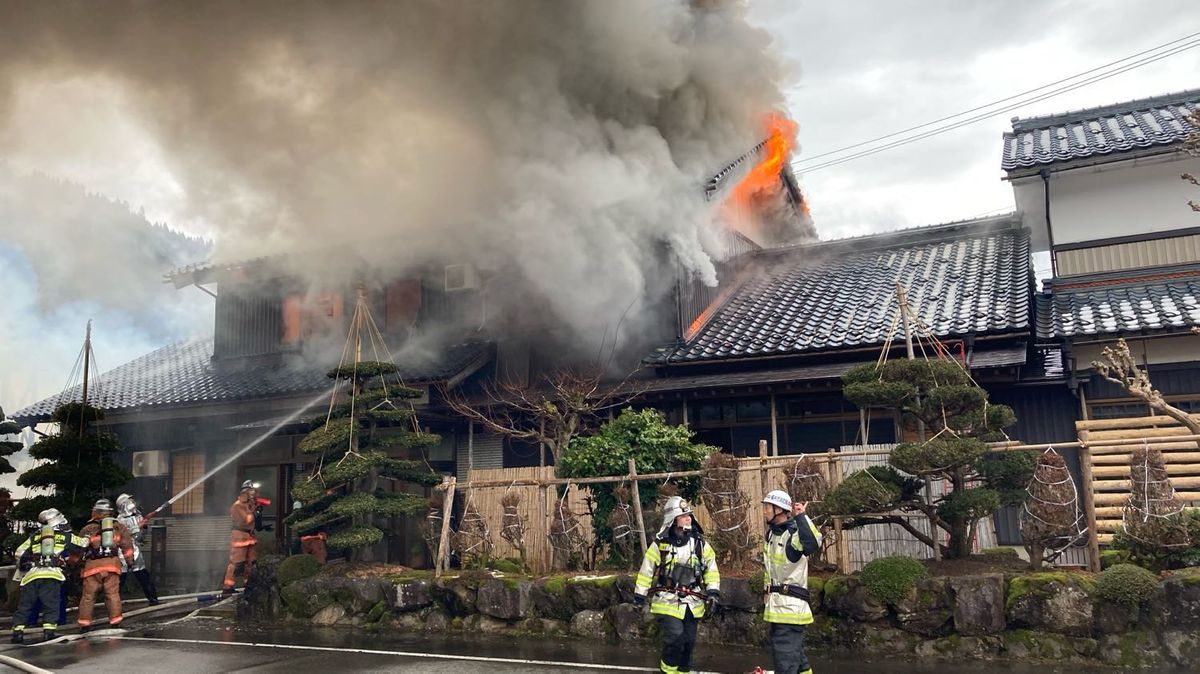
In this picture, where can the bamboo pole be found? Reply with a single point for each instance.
(637, 505)
(1089, 504)
(751, 464)
(443, 560)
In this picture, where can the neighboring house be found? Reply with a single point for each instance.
(1100, 190)
(763, 359)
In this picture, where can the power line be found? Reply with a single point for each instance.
(1001, 100)
(1160, 55)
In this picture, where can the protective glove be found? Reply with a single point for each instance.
(639, 600)
(714, 596)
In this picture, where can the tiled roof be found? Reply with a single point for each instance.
(184, 373)
(964, 278)
(1114, 305)
(1113, 129)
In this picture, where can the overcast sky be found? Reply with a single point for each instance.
(864, 69)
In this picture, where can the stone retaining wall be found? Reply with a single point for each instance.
(1049, 616)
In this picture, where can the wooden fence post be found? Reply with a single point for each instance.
(762, 467)
(547, 556)
(1089, 504)
(840, 547)
(637, 505)
(443, 560)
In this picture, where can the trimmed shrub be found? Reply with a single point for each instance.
(890, 579)
(1126, 584)
(297, 567)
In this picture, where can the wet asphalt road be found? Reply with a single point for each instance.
(168, 650)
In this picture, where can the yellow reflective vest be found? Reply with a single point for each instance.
(664, 554)
(785, 556)
(40, 570)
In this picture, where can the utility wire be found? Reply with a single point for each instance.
(1158, 55)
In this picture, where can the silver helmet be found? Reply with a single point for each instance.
(126, 505)
(53, 518)
(102, 506)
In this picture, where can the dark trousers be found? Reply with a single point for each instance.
(679, 638)
(38, 596)
(787, 647)
(143, 579)
(32, 620)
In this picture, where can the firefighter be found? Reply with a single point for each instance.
(314, 544)
(244, 514)
(791, 538)
(129, 515)
(41, 559)
(107, 540)
(679, 574)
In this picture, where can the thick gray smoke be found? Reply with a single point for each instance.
(568, 140)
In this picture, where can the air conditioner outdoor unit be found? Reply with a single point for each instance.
(150, 464)
(461, 277)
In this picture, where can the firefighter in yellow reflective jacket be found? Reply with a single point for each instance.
(790, 541)
(41, 559)
(679, 574)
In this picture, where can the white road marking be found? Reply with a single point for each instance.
(436, 656)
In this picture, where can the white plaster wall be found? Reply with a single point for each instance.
(1111, 200)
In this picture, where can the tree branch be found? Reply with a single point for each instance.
(1118, 366)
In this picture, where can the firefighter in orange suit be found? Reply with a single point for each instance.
(242, 541)
(314, 544)
(107, 540)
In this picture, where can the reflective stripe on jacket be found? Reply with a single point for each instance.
(62, 541)
(785, 557)
(670, 603)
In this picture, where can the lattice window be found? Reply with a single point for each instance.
(185, 469)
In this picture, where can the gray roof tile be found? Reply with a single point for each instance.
(1109, 130)
(185, 372)
(963, 278)
(1105, 305)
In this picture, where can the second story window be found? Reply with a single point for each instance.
(311, 316)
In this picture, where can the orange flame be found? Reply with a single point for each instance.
(765, 175)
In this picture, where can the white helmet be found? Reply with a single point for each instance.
(779, 499)
(52, 517)
(126, 505)
(674, 507)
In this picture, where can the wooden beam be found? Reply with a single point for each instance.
(1127, 422)
(1123, 470)
(1121, 498)
(1129, 447)
(1110, 484)
(1138, 433)
(1089, 504)
(1169, 457)
(443, 556)
(637, 504)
